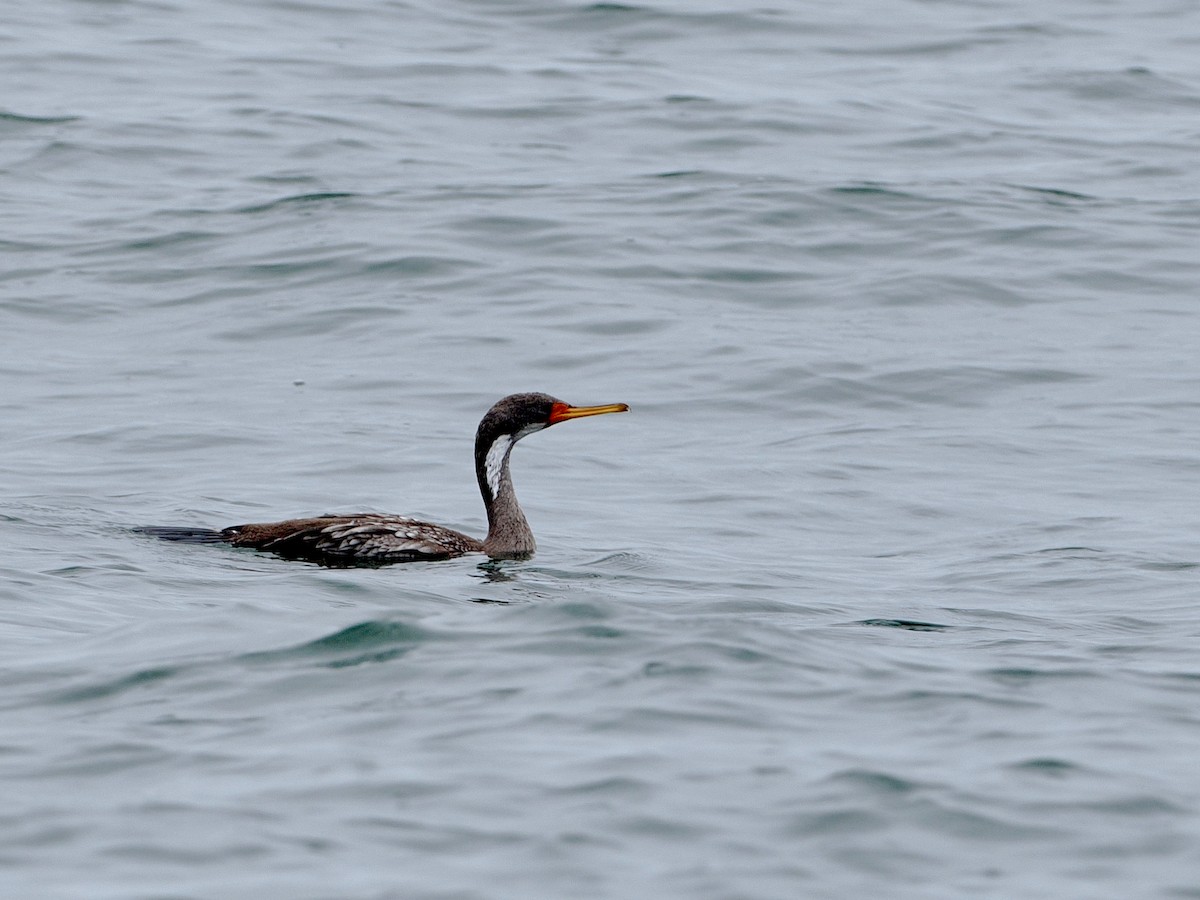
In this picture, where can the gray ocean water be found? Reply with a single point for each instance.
(886, 587)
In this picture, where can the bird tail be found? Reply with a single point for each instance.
(183, 535)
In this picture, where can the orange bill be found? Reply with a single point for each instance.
(561, 411)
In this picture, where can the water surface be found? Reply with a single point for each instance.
(886, 586)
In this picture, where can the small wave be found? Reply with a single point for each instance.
(37, 120)
(370, 641)
(298, 199)
(115, 686)
(905, 624)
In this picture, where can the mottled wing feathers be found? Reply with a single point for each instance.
(359, 540)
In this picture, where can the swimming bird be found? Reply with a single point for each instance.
(372, 539)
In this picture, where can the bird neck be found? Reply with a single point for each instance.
(509, 535)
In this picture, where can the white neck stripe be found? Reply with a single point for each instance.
(493, 465)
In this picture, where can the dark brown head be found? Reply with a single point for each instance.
(511, 419)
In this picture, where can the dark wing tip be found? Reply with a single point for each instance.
(182, 535)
